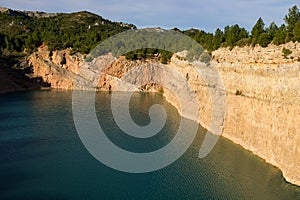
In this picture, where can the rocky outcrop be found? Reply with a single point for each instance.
(57, 68)
(262, 109)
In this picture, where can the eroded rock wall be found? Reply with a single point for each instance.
(58, 68)
(263, 103)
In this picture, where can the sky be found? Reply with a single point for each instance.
(183, 14)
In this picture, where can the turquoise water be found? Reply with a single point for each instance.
(42, 157)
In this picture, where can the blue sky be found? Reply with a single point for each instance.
(184, 14)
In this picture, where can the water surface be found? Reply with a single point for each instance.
(42, 157)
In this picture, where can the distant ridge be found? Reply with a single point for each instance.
(26, 13)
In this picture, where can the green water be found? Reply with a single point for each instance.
(42, 157)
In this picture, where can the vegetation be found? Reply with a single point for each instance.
(149, 53)
(161, 90)
(257, 31)
(286, 52)
(238, 92)
(83, 31)
(232, 36)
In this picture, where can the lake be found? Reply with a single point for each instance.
(42, 157)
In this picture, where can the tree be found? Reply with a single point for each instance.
(205, 39)
(257, 30)
(234, 34)
(271, 30)
(7, 43)
(244, 42)
(208, 41)
(30, 44)
(264, 39)
(243, 33)
(218, 39)
(292, 18)
(18, 45)
(1, 40)
(280, 35)
(1, 43)
(297, 32)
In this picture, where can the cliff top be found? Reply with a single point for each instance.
(270, 55)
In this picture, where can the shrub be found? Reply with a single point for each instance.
(264, 39)
(161, 90)
(244, 42)
(286, 52)
(238, 92)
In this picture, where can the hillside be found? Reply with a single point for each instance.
(21, 32)
(80, 31)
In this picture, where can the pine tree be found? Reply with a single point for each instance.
(271, 30)
(264, 39)
(292, 18)
(7, 43)
(280, 35)
(234, 34)
(218, 39)
(297, 32)
(257, 30)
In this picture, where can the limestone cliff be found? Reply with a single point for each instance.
(57, 68)
(263, 103)
(262, 95)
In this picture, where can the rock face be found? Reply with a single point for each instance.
(262, 109)
(57, 68)
(263, 103)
